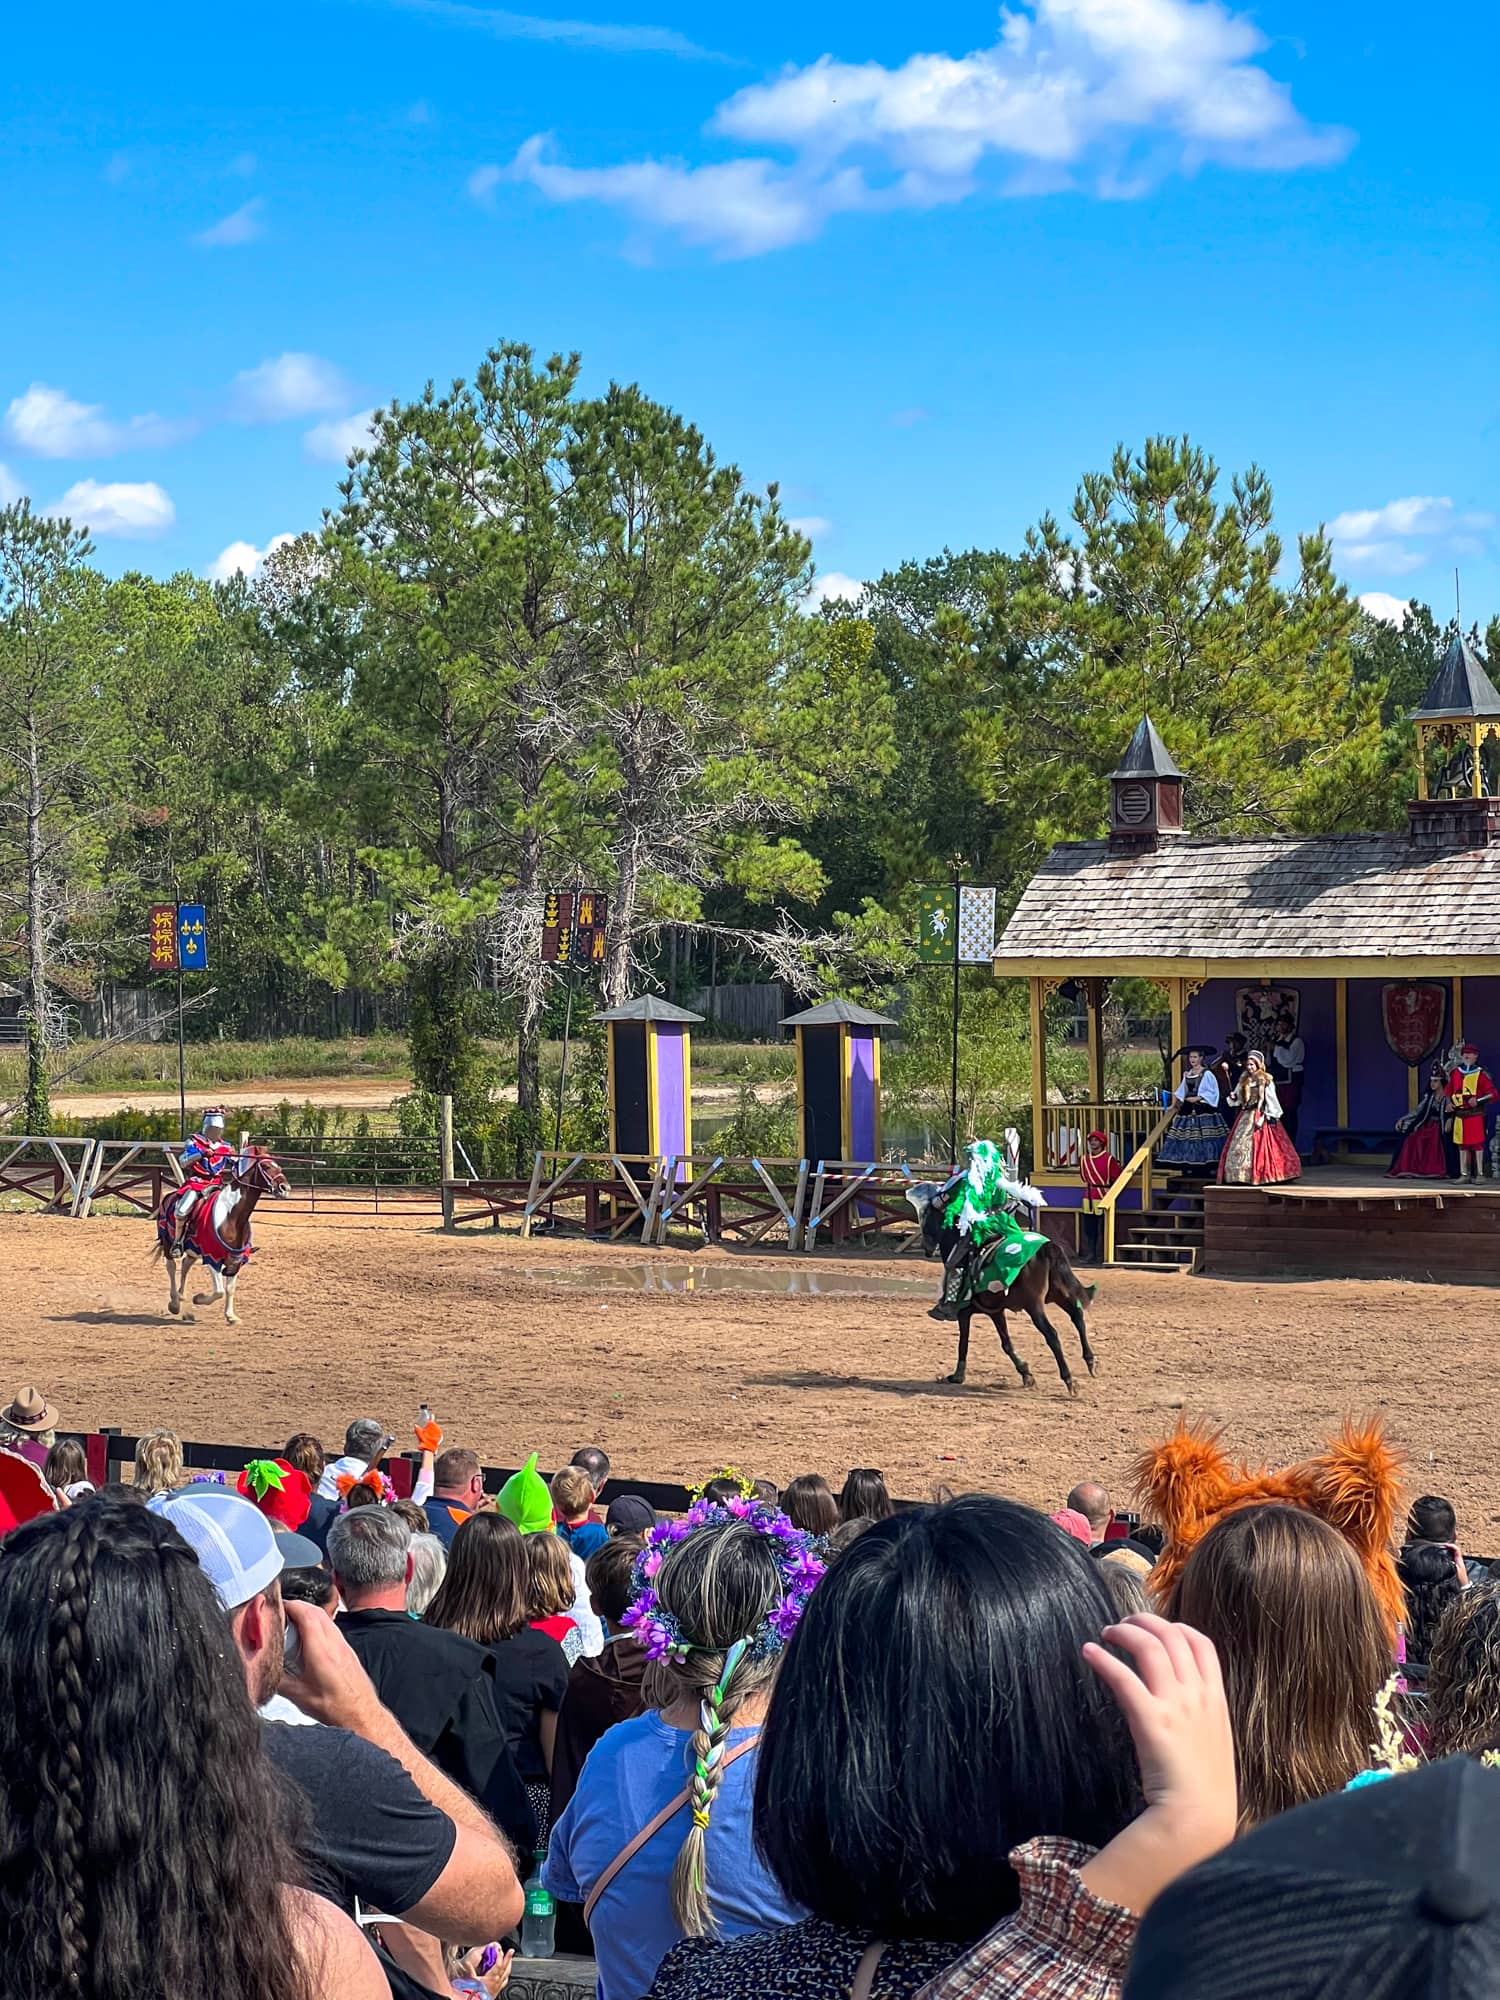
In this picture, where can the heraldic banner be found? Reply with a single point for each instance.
(1413, 1012)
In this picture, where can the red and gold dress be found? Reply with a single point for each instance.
(1257, 1152)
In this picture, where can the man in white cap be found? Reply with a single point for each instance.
(389, 1828)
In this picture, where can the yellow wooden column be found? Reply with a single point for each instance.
(1094, 996)
(1038, 1074)
(1341, 1045)
(1177, 998)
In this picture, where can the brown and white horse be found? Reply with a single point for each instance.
(217, 1229)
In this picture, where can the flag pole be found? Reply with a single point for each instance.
(953, 1092)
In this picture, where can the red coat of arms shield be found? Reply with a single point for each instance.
(1413, 1013)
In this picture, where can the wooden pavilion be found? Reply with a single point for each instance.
(1385, 949)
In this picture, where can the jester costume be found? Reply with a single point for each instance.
(984, 1247)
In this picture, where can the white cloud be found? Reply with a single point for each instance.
(11, 488)
(619, 37)
(332, 441)
(242, 225)
(484, 180)
(1105, 95)
(49, 423)
(132, 511)
(812, 525)
(117, 168)
(243, 559)
(1404, 535)
(833, 587)
(1389, 610)
(288, 385)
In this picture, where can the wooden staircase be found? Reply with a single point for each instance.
(1168, 1235)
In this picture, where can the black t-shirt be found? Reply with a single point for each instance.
(531, 1673)
(374, 1835)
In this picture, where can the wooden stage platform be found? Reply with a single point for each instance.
(1352, 1222)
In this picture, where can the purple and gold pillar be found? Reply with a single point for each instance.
(650, 1077)
(838, 1080)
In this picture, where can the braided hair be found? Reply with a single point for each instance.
(145, 1843)
(718, 1585)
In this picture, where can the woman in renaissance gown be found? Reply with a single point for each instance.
(1257, 1152)
(1421, 1155)
(1195, 1137)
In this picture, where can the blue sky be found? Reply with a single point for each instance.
(924, 267)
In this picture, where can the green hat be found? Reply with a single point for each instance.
(525, 1500)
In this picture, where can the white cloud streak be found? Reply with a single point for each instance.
(133, 512)
(49, 423)
(812, 525)
(1106, 96)
(242, 225)
(287, 385)
(332, 441)
(243, 559)
(11, 488)
(1405, 535)
(615, 37)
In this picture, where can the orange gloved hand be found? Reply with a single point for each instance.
(429, 1436)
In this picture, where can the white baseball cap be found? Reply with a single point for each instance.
(237, 1548)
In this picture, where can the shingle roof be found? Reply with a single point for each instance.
(1369, 895)
(1147, 756)
(649, 1007)
(1459, 687)
(832, 1011)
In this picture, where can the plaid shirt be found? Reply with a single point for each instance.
(1062, 1943)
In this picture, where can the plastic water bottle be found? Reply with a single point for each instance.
(540, 1918)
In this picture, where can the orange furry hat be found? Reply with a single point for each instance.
(1186, 1483)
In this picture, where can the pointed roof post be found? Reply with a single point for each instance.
(1147, 756)
(1459, 689)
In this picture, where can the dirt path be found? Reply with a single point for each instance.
(357, 1094)
(517, 1346)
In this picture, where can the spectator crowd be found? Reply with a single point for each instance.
(286, 1736)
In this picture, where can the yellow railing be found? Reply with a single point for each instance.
(1065, 1129)
(1139, 1163)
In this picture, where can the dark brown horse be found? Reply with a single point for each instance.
(1047, 1280)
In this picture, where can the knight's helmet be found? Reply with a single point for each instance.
(213, 1124)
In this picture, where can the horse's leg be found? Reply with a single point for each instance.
(174, 1280)
(210, 1298)
(1048, 1332)
(1022, 1367)
(230, 1282)
(965, 1320)
(1070, 1297)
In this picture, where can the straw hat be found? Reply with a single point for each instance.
(30, 1411)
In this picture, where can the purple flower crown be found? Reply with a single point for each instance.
(796, 1558)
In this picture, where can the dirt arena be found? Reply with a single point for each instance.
(519, 1346)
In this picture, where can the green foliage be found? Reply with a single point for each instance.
(761, 1126)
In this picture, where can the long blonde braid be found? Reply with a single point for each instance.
(718, 1585)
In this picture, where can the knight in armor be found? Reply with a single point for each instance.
(980, 1234)
(204, 1160)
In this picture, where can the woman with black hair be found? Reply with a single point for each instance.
(1430, 1579)
(945, 1756)
(146, 1844)
(864, 1497)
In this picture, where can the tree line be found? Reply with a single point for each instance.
(543, 637)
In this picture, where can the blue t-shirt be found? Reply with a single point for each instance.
(629, 1775)
(585, 1538)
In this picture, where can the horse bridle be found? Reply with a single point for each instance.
(255, 1175)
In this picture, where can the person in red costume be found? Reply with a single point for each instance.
(1471, 1092)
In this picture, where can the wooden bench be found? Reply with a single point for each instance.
(1354, 1139)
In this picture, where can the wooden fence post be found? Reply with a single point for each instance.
(445, 1156)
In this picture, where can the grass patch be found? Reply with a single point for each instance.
(154, 1064)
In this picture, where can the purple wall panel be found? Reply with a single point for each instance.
(1377, 1075)
(671, 1095)
(1211, 1017)
(861, 1096)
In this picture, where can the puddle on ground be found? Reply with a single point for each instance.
(675, 1275)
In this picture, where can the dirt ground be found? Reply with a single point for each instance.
(520, 1346)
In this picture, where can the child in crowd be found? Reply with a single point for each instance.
(572, 1497)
